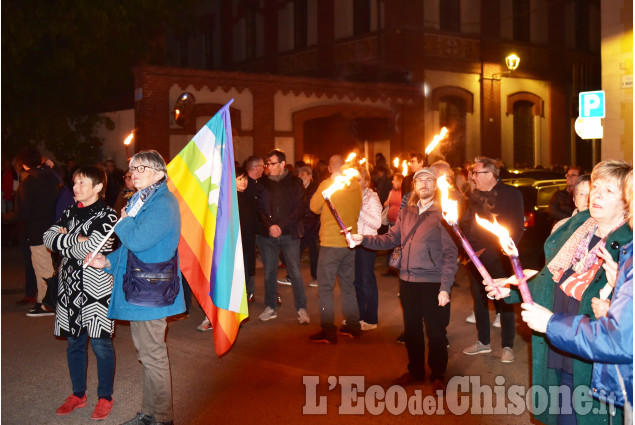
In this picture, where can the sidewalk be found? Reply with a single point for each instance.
(261, 379)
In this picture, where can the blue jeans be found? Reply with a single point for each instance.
(270, 251)
(76, 355)
(366, 284)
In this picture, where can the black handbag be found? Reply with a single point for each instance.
(151, 284)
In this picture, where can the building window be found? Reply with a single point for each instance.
(522, 15)
(251, 13)
(452, 114)
(523, 134)
(208, 33)
(300, 23)
(582, 23)
(361, 17)
(450, 15)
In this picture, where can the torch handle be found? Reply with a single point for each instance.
(339, 220)
(470, 252)
(522, 280)
(101, 244)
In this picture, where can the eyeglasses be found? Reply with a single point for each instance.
(269, 164)
(140, 168)
(425, 181)
(480, 172)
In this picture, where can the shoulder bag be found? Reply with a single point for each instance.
(395, 257)
(151, 284)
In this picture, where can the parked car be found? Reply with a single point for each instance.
(536, 197)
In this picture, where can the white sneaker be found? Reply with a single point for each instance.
(471, 318)
(284, 281)
(508, 355)
(204, 326)
(313, 283)
(367, 326)
(268, 314)
(497, 321)
(303, 317)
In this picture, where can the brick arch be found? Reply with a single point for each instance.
(535, 100)
(207, 109)
(453, 91)
(348, 111)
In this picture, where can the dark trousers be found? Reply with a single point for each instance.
(366, 284)
(30, 285)
(310, 241)
(420, 300)
(481, 311)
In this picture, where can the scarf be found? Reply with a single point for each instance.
(575, 253)
(140, 197)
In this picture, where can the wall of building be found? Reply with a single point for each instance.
(617, 79)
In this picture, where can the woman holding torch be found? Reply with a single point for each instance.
(426, 274)
(570, 284)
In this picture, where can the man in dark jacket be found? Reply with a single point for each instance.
(490, 199)
(281, 208)
(35, 207)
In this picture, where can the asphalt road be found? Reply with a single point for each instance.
(273, 374)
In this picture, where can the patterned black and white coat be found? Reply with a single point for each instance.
(83, 294)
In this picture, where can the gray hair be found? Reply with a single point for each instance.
(152, 158)
(306, 170)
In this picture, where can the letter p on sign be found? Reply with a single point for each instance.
(592, 104)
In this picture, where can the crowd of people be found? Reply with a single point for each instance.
(581, 315)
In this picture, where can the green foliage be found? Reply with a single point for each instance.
(64, 61)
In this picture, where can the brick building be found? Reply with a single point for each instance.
(314, 77)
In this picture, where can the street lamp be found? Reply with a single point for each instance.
(512, 61)
(127, 142)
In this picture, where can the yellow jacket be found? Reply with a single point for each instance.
(347, 201)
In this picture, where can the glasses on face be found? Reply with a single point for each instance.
(474, 173)
(269, 164)
(140, 168)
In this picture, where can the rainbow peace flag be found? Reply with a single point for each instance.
(203, 179)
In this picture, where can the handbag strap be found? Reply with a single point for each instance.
(414, 228)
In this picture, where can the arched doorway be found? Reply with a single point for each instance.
(526, 107)
(453, 105)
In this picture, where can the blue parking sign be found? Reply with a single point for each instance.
(592, 104)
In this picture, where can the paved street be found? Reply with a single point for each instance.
(261, 379)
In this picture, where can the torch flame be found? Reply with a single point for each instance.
(404, 164)
(448, 206)
(506, 241)
(396, 162)
(351, 157)
(340, 182)
(436, 140)
(362, 161)
(128, 138)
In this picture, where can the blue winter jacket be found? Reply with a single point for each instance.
(153, 236)
(608, 341)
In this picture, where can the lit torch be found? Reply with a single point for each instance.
(127, 142)
(339, 183)
(510, 249)
(404, 165)
(435, 142)
(451, 216)
(396, 162)
(351, 157)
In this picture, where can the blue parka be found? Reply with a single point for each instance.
(153, 236)
(607, 341)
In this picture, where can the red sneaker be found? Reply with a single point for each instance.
(72, 403)
(102, 410)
